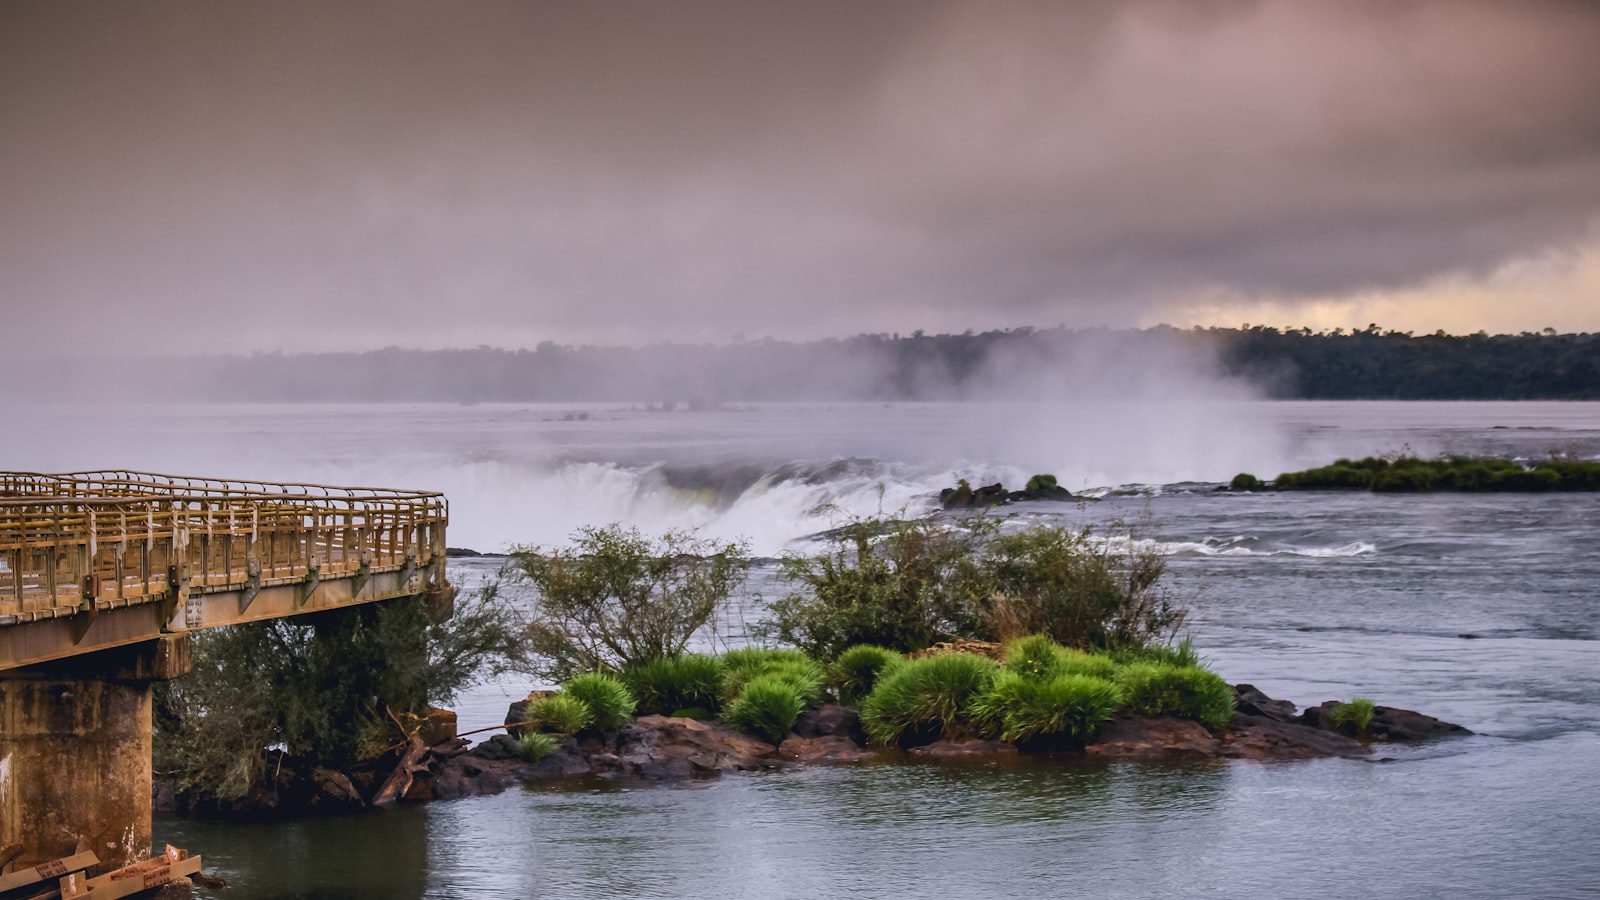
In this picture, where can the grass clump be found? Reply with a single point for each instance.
(1244, 481)
(1017, 707)
(767, 706)
(857, 669)
(559, 714)
(609, 701)
(1182, 655)
(1040, 658)
(1355, 715)
(926, 697)
(800, 671)
(1189, 692)
(536, 745)
(663, 686)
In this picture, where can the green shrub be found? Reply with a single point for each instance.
(857, 669)
(1038, 657)
(1355, 715)
(1158, 689)
(1244, 481)
(560, 714)
(607, 698)
(926, 697)
(661, 686)
(616, 597)
(1019, 708)
(903, 585)
(791, 666)
(1041, 484)
(536, 745)
(1079, 590)
(767, 706)
(1181, 655)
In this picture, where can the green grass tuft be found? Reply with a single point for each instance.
(1356, 715)
(1039, 657)
(1160, 689)
(1017, 707)
(536, 745)
(927, 696)
(663, 685)
(857, 669)
(767, 706)
(559, 714)
(792, 665)
(607, 698)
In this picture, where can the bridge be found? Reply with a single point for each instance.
(103, 577)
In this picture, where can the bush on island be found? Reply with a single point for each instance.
(857, 669)
(1019, 708)
(767, 706)
(559, 714)
(663, 686)
(1039, 657)
(1355, 715)
(1158, 689)
(610, 704)
(616, 597)
(926, 698)
(1244, 481)
(792, 666)
(536, 745)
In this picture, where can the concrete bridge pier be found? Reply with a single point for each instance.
(75, 749)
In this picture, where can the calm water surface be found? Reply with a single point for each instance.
(1482, 610)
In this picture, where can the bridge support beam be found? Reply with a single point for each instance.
(75, 747)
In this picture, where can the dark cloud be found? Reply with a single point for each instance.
(323, 175)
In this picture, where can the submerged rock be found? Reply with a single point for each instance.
(833, 748)
(963, 748)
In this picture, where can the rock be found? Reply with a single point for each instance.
(440, 727)
(831, 720)
(334, 790)
(1388, 724)
(1147, 737)
(964, 748)
(990, 495)
(1248, 699)
(1263, 738)
(661, 748)
(835, 748)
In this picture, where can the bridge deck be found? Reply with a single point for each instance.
(90, 560)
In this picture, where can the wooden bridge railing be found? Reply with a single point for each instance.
(80, 542)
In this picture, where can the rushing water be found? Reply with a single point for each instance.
(1484, 610)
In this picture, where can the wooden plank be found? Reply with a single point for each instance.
(128, 880)
(52, 869)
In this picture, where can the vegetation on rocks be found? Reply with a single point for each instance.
(907, 585)
(536, 745)
(1409, 474)
(609, 702)
(1189, 692)
(671, 684)
(329, 689)
(1020, 708)
(858, 668)
(559, 714)
(616, 598)
(767, 706)
(926, 697)
(1356, 715)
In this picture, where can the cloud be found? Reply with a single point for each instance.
(310, 175)
(1557, 289)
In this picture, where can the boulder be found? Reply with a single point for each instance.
(964, 748)
(662, 748)
(1264, 738)
(1248, 699)
(1150, 737)
(835, 748)
(1388, 723)
(831, 720)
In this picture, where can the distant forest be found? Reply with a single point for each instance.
(1286, 364)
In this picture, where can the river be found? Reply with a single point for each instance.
(1483, 610)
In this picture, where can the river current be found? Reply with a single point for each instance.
(1483, 610)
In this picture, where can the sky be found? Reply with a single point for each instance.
(295, 175)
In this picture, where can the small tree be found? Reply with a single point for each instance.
(616, 598)
(897, 584)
